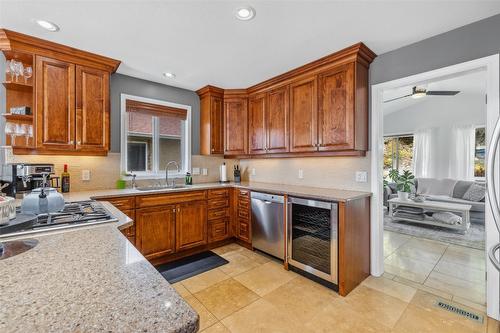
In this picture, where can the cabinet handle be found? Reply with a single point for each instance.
(72, 142)
(78, 142)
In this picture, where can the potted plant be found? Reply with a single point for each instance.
(404, 182)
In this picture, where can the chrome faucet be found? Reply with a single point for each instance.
(166, 172)
(133, 175)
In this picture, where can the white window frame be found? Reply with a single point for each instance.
(157, 172)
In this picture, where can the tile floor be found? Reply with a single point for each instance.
(454, 272)
(253, 293)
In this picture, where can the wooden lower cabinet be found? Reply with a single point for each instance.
(191, 225)
(218, 230)
(243, 229)
(130, 231)
(155, 231)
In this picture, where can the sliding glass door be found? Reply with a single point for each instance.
(398, 153)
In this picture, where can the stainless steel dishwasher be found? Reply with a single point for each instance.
(267, 224)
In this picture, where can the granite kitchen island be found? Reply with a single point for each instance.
(86, 280)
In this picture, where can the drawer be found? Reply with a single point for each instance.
(243, 204)
(214, 214)
(243, 213)
(244, 194)
(122, 203)
(220, 192)
(167, 199)
(218, 203)
(218, 230)
(243, 230)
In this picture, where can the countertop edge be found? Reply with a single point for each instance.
(263, 187)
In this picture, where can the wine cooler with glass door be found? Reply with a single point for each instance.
(312, 244)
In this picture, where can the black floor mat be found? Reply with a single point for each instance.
(193, 265)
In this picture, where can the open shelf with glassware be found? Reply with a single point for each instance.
(19, 100)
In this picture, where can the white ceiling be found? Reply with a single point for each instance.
(203, 43)
(470, 83)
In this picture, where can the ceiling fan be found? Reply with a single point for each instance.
(421, 92)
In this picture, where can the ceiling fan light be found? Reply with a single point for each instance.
(418, 95)
(418, 92)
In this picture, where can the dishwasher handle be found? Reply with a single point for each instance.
(267, 198)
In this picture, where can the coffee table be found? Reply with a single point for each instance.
(434, 206)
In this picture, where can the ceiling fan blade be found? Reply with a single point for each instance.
(390, 100)
(442, 92)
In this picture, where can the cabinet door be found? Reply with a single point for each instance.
(236, 126)
(191, 225)
(216, 125)
(336, 109)
(155, 231)
(218, 230)
(55, 104)
(277, 121)
(92, 109)
(257, 124)
(303, 115)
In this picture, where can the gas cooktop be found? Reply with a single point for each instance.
(74, 214)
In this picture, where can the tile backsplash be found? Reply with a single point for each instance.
(105, 170)
(325, 172)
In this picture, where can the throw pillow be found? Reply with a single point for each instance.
(447, 217)
(475, 193)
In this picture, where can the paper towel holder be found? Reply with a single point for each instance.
(223, 174)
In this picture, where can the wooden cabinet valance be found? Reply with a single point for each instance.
(319, 109)
(68, 95)
(155, 109)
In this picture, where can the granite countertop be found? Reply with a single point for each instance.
(85, 280)
(294, 190)
(93, 279)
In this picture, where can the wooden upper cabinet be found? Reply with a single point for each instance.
(257, 124)
(191, 225)
(211, 120)
(236, 126)
(92, 109)
(277, 137)
(318, 109)
(304, 115)
(336, 108)
(55, 104)
(71, 111)
(155, 231)
(217, 125)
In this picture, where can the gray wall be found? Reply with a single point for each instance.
(476, 40)
(122, 84)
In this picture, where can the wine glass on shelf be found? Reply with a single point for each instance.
(10, 129)
(25, 129)
(13, 69)
(8, 71)
(20, 130)
(30, 133)
(28, 72)
(19, 69)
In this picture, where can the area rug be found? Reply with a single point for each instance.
(473, 238)
(193, 265)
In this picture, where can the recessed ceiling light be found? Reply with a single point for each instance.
(48, 25)
(245, 13)
(169, 75)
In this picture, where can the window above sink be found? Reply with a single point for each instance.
(153, 133)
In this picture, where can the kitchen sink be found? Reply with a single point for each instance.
(162, 187)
